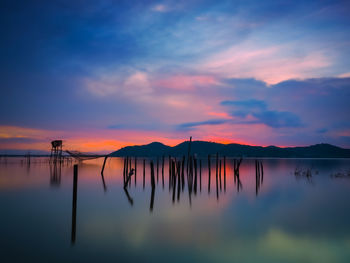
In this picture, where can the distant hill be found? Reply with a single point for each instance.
(202, 148)
(24, 152)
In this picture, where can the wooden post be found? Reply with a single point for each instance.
(220, 175)
(189, 152)
(104, 163)
(200, 175)
(195, 175)
(217, 183)
(157, 169)
(135, 168)
(209, 173)
(178, 180)
(144, 173)
(163, 171)
(153, 184)
(127, 167)
(74, 204)
(169, 173)
(173, 163)
(130, 170)
(234, 170)
(183, 173)
(224, 173)
(217, 164)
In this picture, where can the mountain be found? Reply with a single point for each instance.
(202, 148)
(12, 152)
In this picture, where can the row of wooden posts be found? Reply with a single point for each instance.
(177, 173)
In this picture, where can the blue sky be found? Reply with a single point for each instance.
(103, 74)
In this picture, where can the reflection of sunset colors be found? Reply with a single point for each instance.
(125, 74)
(272, 225)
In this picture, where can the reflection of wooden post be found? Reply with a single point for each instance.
(74, 204)
(153, 184)
(173, 176)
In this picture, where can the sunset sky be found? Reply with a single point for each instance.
(105, 74)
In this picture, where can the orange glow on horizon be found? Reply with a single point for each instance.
(106, 141)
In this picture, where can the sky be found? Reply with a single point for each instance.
(105, 74)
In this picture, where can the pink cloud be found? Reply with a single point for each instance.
(271, 64)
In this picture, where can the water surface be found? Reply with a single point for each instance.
(287, 219)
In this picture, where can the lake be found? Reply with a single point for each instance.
(298, 212)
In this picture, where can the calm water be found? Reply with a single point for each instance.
(290, 219)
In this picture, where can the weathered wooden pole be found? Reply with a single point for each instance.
(169, 173)
(74, 203)
(144, 173)
(256, 177)
(153, 184)
(195, 175)
(130, 170)
(173, 163)
(178, 180)
(127, 167)
(104, 163)
(234, 170)
(189, 152)
(209, 173)
(217, 183)
(183, 173)
(200, 175)
(135, 169)
(157, 169)
(220, 175)
(217, 164)
(163, 171)
(224, 173)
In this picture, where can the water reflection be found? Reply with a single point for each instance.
(55, 173)
(294, 218)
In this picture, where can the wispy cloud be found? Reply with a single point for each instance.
(191, 125)
(160, 8)
(260, 113)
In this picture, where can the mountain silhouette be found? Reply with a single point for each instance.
(203, 148)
